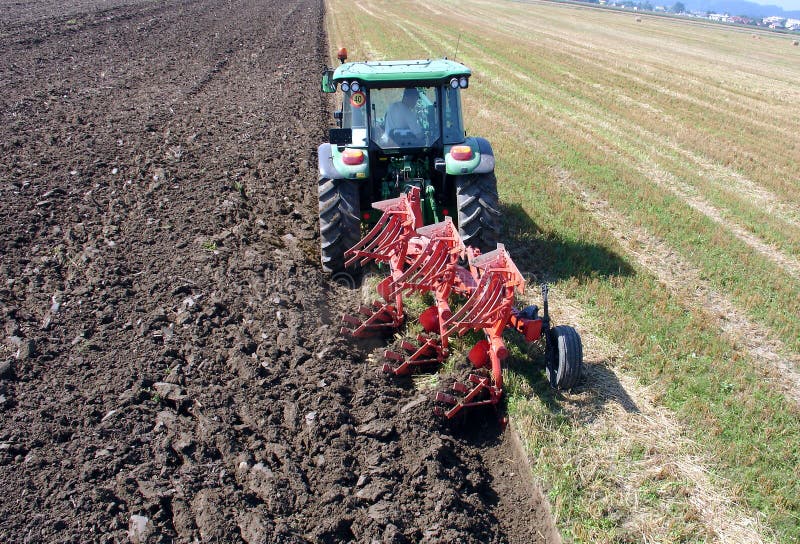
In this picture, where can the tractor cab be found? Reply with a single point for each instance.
(401, 119)
(399, 125)
(397, 106)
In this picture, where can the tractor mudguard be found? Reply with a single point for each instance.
(332, 166)
(486, 163)
(326, 166)
(482, 161)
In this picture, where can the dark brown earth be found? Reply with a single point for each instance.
(170, 369)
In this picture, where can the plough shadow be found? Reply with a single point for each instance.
(598, 387)
(542, 257)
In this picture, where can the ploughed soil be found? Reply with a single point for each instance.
(170, 364)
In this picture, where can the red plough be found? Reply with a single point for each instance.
(435, 270)
(387, 243)
(428, 260)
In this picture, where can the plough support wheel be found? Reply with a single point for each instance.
(564, 357)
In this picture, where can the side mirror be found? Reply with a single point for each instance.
(328, 86)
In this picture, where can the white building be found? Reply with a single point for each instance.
(774, 21)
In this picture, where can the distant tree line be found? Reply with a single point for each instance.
(678, 7)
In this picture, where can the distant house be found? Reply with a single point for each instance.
(792, 24)
(774, 21)
(721, 17)
(742, 20)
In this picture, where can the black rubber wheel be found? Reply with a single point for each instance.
(564, 357)
(478, 210)
(339, 221)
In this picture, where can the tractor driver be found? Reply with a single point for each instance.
(403, 116)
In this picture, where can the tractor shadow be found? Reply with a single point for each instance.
(547, 257)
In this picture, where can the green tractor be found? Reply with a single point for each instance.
(400, 126)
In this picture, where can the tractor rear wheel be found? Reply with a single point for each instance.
(339, 221)
(478, 210)
(564, 357)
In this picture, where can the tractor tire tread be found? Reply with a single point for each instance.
(339, 222)
(478, 210)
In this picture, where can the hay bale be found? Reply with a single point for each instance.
(795, 42)
(638, 19)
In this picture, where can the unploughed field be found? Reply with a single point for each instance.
(170, 367)
(650, 168)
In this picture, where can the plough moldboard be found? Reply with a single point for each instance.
(427, 259)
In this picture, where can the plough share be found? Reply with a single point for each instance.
(427, 259)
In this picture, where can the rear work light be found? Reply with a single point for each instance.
(454, 83)
(461, 152)
(352, 156)
(463, 82)
(345, 86)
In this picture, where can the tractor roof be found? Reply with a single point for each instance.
(400, 71)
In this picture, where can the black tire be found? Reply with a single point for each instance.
(564, 357)
(478, 210)
(339, 221)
